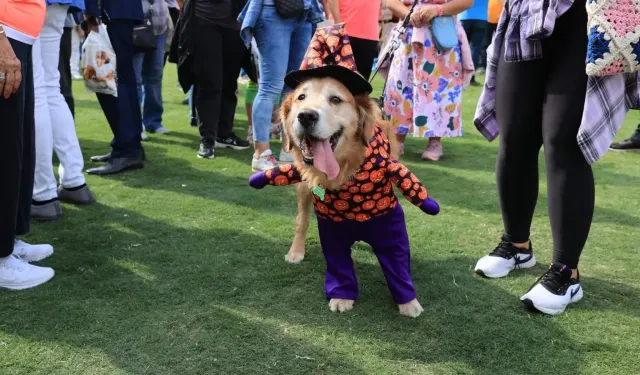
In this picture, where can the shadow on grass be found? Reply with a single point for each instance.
(164, 172)
(157, 298)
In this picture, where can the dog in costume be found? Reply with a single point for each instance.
(343, 154)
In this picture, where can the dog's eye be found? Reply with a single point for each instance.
(335, 100)
(302, 97)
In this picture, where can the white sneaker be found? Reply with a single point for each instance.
(264, 162)
(31, 253)
(554, 291)
(16, 274)
(144, 136)
(504, 259)
(161, 130)
(76, 77)
(285, 157)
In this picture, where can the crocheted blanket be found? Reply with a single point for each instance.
(614, 37)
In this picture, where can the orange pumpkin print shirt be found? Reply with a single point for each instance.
(369, 192)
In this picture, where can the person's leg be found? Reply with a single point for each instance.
(13, 148)
(175, 14)
(364, 52)
(127, 128)
(65, 140)
(208, 69)
(74, 60)
(340, 276)
(570, 185)
(273, 36)
(249, 97)
(520, 89)
(65, 69)
(231, 61)
(152, 80)
(45, 182)
(480, 33)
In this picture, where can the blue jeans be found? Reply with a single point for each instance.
(149, 66)
(279, 40)
(476, 31)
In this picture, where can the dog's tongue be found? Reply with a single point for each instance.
(324, 160)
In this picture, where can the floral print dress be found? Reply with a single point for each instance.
(423, 94)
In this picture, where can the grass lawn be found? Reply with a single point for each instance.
(179, 269)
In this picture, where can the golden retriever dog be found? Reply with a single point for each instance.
(355, 117)
(341, 145)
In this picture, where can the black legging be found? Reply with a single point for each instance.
(540, 102)
(364, 52)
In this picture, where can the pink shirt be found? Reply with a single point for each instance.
(22, 20)
(361, 18)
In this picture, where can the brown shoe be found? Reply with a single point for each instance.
(626, 145)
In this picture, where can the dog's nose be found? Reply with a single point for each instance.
(308, 118)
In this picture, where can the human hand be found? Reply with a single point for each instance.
(423, 16)
(10, 69)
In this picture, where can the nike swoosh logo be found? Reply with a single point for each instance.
(573, 294)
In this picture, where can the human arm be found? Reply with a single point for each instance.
(397, 8)
(411, 187)
(333, 7)
(285, 174)
(424, 15)
(10, 67)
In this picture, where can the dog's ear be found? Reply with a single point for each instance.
(366, 117)
(285, 110)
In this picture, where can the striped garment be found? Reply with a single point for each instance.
(523, 24)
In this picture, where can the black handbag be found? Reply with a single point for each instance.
(144, 39)
(289, 8)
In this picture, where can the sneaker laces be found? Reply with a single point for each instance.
(503, 250)
(15, 262)
(556, 279)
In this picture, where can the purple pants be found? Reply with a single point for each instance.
(387, 235)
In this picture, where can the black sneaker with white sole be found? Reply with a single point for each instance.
(205, 151)
(554, 291)
(504, 259)
(232, 141)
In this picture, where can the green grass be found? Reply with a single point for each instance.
(179, 269)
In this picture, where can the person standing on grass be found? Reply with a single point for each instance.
(630, 144)
(361, 22)
(122, 112)
(282, 43)
(474, 21)
(20, 24)
(213, 49)
(55, 126)
(149, 68)
(537, 99)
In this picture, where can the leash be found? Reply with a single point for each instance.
(393, 46)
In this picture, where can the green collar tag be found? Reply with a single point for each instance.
(319, 191)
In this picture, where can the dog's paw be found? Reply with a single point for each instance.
(411, 309)
(294, 256)
(340, 305)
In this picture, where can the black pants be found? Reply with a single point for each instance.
(123, 113)
(217, 58)
(540, 103)
(476, 31)
(17, 151)
(175, 14)
(65, 69)
(488, 38)
(364, 51)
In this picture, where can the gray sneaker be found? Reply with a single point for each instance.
(47, 212)
(80, 196)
